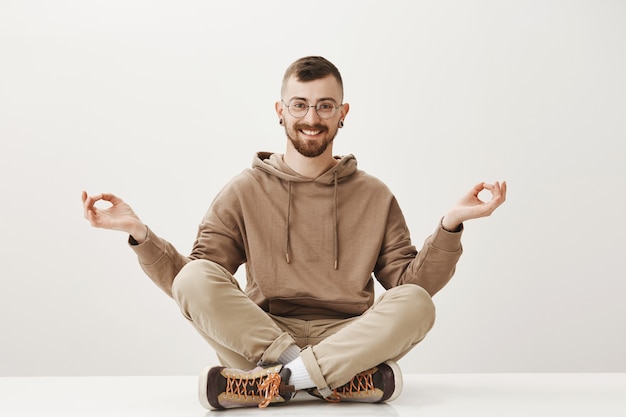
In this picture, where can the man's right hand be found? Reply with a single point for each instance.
(119, 216)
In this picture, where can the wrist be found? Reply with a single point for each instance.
(139, 233)
(451, 225)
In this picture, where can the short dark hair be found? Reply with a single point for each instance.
(311, 68)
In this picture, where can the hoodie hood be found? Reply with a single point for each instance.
(274, 164)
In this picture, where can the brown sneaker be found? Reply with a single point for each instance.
(221, 387)
(382, 383)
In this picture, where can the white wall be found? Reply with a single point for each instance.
(162, 102)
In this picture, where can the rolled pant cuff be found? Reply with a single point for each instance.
(310, 363)
(273, 352)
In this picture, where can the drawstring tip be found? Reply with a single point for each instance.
(336, 264)
(287, 258)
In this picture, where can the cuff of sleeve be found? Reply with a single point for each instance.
(457, 230)
(447, 240)
(148, 251)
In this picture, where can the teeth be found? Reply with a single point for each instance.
(311, 132)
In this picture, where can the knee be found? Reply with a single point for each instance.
(195, 279)
(418, 305)
(186, 279)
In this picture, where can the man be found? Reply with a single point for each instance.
(311, 229)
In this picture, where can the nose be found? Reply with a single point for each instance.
(311, 115)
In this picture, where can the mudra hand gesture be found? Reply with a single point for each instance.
(471, 207)
(119, 216)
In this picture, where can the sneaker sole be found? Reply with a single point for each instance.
(203, 381)
(397, 376)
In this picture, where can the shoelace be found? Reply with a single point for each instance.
(271, 386)
(361, 383)
(267, 388)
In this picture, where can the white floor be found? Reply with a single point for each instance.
(448, 395)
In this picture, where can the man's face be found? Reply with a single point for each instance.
(312, 135)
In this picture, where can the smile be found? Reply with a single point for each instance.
(310, 132)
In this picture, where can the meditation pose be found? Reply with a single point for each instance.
(313, 232)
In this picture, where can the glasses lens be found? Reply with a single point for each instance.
(298, 108)
(325, 109)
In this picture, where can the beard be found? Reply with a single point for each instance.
(309, 148)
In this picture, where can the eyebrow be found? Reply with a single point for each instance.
(321, 99)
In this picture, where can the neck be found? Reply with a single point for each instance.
(309, 167)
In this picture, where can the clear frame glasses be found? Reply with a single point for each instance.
(299, 108)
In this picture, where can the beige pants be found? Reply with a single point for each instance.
(333, 350)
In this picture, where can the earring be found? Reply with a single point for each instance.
(280, 122)
(340, 123)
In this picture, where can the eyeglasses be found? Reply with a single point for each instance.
(325, 109)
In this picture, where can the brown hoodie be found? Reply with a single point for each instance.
(310, 246)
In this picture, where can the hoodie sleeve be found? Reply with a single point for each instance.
(218, 240)
(159, 259)
(220, 235)
(431, 267)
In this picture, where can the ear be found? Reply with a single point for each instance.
(344, 110)
(279, 109)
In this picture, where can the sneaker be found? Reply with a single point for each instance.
(220, 387)
(382, 383)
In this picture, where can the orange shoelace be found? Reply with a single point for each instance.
(271, 387)
(267, 388)
(362, 382)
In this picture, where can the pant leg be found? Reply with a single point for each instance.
(241, 333)
(400, 318)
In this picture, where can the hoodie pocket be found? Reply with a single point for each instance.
(311, 308)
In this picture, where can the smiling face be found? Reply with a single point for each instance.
(311, 135)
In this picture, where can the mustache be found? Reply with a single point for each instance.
(305, 126)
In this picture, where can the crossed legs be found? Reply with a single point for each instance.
(244, 335)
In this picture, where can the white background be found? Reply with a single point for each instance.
(162, 102)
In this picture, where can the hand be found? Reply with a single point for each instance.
(472, 207)
(119, 216)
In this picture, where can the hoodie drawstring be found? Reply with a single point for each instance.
(288, 248)
(336, 237)
(335, 225)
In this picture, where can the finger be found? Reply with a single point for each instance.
(478, 188)
(486, 209)
(91, 217)
(84, 198)
(111, 198)
(89, 207)
(472, 194)
(89, 201)
(492, 188)
(499, 190)
(495, 190)
(496, 202)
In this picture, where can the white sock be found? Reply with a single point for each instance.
(290, 354)
(299, 378)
